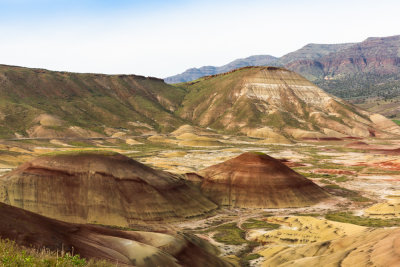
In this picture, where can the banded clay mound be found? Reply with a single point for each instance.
(378, 247)
(100, 187)
(255, 180)
(125, 247)
(278, 104)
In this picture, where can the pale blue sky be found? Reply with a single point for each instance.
(162, 38)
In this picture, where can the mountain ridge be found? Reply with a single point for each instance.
(256, 101)
(364, 73)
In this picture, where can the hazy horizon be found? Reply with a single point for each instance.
(163, 38)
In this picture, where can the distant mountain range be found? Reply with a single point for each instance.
(194, 73)
(308, 52)
(354, 71)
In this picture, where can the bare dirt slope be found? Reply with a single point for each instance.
(100, 187)
(250, 99)
(133, 248)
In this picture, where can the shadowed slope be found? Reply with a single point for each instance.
(255, 180)
(99, 188)
(131, 248)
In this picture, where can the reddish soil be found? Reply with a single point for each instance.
(358, 144)
(334, 171)
(322, 139)
(258, 181)
(388, 151)
(291, 163)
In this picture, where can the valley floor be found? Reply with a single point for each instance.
(362, 175)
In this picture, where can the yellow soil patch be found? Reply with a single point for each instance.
(132, 142)
(19, 150)
(59, 143)
(200, 143)
(372, 247)
(9, 161)
(300, 134)
(191, 136)
(48, 120)
(184, 129)
(161, 139)
(303, 230)
(118, 134)
(190, 139)
(268, 136)
(175, 154)
(386, 210)
(233, 150)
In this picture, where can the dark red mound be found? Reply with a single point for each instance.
(259, 181)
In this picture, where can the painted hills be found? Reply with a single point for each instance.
(94, 187)
(363, 72)
(194, 73)
(256, 180)
(270, 101)
(262, 102)
(373, 247)
(123, 248)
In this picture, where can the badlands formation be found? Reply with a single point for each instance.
(126, 248)
(99, 187)
(256, 167)
(256, 180)
(276, 103)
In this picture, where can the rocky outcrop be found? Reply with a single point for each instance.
(126, 248)
(255, 180)
(96, 187)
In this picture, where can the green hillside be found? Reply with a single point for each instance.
(89, 101)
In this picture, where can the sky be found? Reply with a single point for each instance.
(163, 38)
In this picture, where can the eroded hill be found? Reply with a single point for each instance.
(98, 187)
(256, 180)
(126, 248)
(263, 101)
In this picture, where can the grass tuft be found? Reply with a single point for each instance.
(12, 255)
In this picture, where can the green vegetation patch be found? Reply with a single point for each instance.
(252, 256)
(257, 224)
(307, 214)
(12, 255)
(347, 193)
(229, 234)
(325, 177)
(258, 153)
(348, 217)
(81, 153)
